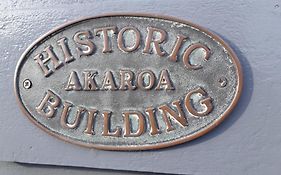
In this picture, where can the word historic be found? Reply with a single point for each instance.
(86, 47)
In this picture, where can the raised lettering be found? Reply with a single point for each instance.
(68, 57)
(65, 114)
(164, 81)
(167, 113)
(90, 121)
(154, 129)
(176, 48)
(104, 32)
(107, 131)
(206, 102)
(126, 81)
(45, 57)
(85, 45)
(155, 37)
(121, 39)
(146, 80)
(48, 105)
(108, 82)
(89, 81)
(189, 50)
(73, 82)
(128, 126)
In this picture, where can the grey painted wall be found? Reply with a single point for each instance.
(248, 142)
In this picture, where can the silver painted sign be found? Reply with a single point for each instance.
(128, 82)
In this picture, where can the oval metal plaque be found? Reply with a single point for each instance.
(128, 82)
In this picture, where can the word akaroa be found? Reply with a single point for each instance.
(110, 60)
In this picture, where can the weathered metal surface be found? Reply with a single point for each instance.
(128, 82)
